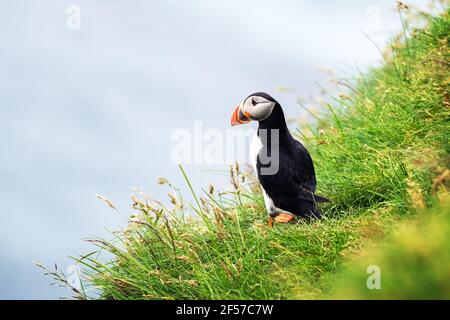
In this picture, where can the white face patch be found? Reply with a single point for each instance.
(257, 108)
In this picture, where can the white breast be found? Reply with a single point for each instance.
(255, 147)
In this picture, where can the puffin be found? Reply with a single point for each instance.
(282, 165)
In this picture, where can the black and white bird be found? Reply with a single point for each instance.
(283, 166)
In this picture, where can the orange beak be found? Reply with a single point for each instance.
(239, 117)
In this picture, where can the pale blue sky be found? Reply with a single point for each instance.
(92, 111)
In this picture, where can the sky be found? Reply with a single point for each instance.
(92, 108)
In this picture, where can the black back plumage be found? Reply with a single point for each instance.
(292, 188)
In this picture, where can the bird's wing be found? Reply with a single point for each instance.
(295, 177)
(305, 174)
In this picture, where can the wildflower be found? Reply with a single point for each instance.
(183, 258)
(173, 199)
(204, 202)
(415, 194)
(344, 96)
(402, 6)
(234, 173)
(192, 283)
(135, 201)
(108, 202)
(211, 189)
(162, 181)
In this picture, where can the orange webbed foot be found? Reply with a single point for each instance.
(284, 217)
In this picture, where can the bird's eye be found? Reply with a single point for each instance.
(254, 102)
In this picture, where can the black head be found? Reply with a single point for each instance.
(261, 107)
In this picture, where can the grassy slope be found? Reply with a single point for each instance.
(378, 159)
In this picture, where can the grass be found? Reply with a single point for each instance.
(382, 156)
(414, 262)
